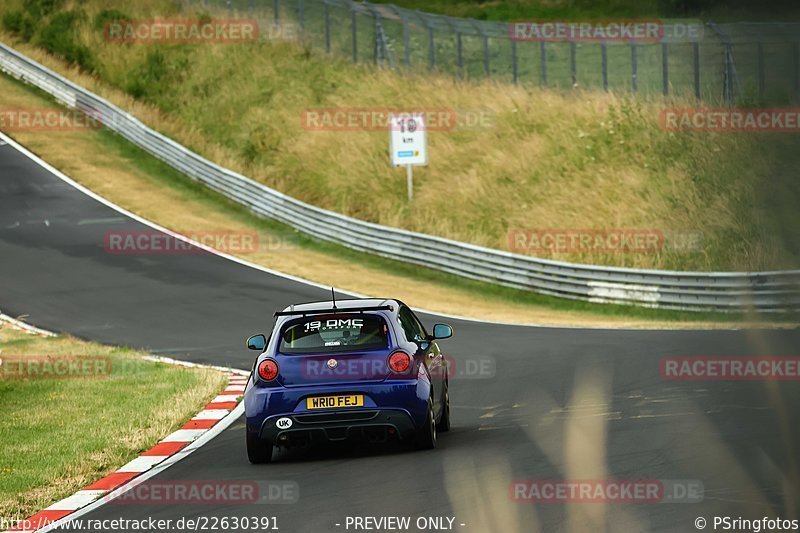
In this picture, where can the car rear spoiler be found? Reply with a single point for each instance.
(335, 310)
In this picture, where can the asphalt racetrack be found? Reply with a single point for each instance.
(553, 404)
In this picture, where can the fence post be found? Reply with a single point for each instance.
(459, 57)
(573, 62)
(486, 68)
(407, 42)
(377, 39)
(353, 26)
(301, 14)
(761, 80)
(327, 27)
(276, 11)
(797, 68)
(514, 68)
(696, 63)
(431, 49)
(604, 63)
(543, 56)
(728, 88)
(665, 68)
(634, 68)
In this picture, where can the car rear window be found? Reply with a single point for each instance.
(333, 334)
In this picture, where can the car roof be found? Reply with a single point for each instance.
(343, 304)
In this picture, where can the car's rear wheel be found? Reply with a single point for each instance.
(426, 435)
(259, 451)
(444, 419)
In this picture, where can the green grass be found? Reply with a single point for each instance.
(59, 435)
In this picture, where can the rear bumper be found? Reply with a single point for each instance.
(339, 425)
(398, 404)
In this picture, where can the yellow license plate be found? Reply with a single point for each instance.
(332, 402)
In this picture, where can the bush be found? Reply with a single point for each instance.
(108, 15)
(59, 37)
(146, 80)
(39, 9)
(19, 23)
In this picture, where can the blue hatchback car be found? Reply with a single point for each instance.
(346, 369)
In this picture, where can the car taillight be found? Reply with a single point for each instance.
(399, 361)
(267, 369)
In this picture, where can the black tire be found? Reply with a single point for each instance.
(444, 420)
(426, 435)
(259, 451)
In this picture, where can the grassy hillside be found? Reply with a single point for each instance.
(542, 160)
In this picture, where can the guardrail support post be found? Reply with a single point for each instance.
(604, 63)
(665, 68)
(634, 68)
(276, 12)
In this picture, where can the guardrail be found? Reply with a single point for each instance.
(722, 291)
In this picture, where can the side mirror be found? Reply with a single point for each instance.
(257, 342)
(442, 331)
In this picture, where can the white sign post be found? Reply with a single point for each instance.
(408, 144)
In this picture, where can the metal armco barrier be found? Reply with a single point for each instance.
(722, 291)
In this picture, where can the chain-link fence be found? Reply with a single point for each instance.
(750, 63)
